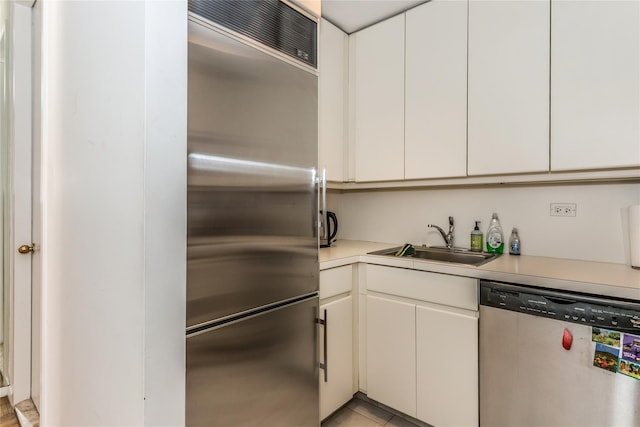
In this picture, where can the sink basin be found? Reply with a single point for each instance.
(455, 255)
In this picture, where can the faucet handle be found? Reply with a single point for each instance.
(451, 221)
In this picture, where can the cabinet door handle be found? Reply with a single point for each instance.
(324, 366)
(326, 333)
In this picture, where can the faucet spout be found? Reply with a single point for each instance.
(442, 233)
(448, 237)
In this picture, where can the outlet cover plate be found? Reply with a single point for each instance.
(563, 209)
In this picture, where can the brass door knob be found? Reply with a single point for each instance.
(25, 249)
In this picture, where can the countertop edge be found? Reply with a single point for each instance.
(559, 274)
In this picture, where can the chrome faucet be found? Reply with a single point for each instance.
(448, 237)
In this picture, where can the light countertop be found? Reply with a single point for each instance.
(598, 278)
(347, 252)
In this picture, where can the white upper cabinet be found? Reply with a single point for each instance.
(376, 77)
(333, 95)
(595, 84)
(508, 87)
(436, 90)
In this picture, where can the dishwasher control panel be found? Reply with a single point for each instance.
(569, 307)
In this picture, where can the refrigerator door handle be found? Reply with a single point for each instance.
(324, 366)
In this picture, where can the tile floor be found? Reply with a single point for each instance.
(359, 413)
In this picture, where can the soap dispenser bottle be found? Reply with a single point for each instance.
(495, 237)
(476, 238)
(514, 242)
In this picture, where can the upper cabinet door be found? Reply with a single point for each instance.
(595, 84)
(508, 87)
(436, 90)
(333, 95)
(377, 82)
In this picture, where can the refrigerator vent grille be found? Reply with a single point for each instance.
(270, 22)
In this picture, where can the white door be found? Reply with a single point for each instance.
(5, 207)
(20, 190)
(36, 217)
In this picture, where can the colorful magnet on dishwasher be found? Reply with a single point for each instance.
(567, 339)
(605, 336)
(630, 369)
(631, 348)
(606, 357)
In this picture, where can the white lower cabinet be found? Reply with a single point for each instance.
(447, 367)
(337, 389)
(391, 355)
(415, 336)
(336, 309)
(422, 344)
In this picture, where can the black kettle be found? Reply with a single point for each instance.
(329, 230)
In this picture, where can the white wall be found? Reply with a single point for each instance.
(165, 212)
(598, 232)
(114, 203)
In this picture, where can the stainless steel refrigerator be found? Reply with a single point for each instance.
(252, 228)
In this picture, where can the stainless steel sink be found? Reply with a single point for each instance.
(455, 255)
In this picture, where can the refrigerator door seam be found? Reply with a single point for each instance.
(218, 323)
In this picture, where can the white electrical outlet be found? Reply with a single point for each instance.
(563, 209)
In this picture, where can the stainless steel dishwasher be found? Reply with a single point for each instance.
(547, 358)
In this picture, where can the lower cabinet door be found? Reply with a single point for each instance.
(447, 367)
(391, 353)
(337, 389)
